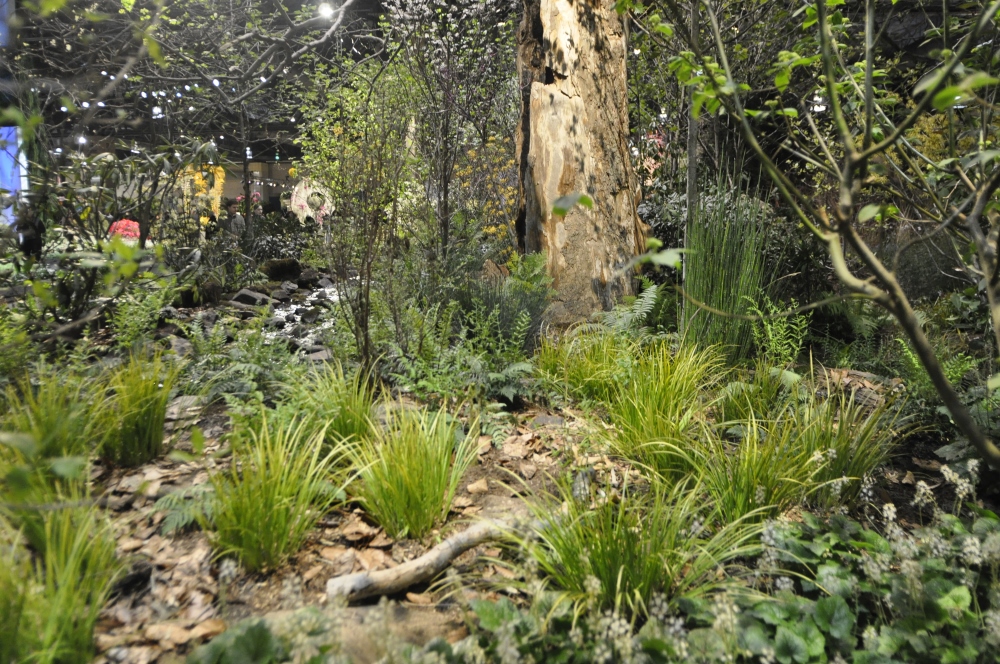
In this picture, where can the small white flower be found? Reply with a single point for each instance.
(924, 496)
(889, 512)
(971, 552)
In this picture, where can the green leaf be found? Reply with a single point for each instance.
(994, 382)
(788, 112)
(834, 617)
(564, 204)
(869, 211)
(668, 258)
(22, 442)
(789, 647)
(197, 440)
(494, 615)
(68, 467)
(957, 598)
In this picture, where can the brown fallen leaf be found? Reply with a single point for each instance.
(130, 544)
(479, 486)
(422, 598)
(381, 541)
(208, 629)
(342, 559)
(505, 573)
(908, 478)
(358, 530)
(485, 444)
(374, 559)
(457, 634)
(461, 502)
(312, 573)
(167, 633)
(926, 465)
(470, 511)
(528, 470)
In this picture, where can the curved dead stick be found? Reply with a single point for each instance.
(390, 581)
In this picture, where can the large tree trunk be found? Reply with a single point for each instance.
(573, 138)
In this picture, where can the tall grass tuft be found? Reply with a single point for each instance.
(816, 451)
(57, 599)
(724, 268)
(140, 390)
(61, 412)
(586, 363)
(619, 554)
(409, 471)
(663, 404)
(275, 491)
(340, 402)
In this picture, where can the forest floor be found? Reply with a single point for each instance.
(176, 594)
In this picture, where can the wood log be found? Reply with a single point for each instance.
(360, 585)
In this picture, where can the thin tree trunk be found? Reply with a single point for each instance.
(692, 165)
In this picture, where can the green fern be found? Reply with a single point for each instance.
(185, 507)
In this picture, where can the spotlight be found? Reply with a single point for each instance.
(325, 10)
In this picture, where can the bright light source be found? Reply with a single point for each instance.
(157, 112)
(215, 82)
(325, 10)
(63, 109)
(101, 104)
(263, 80)
(82, 140)
(143, 95)
(190, 108)
(86, 104)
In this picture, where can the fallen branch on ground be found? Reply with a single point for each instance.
(360, 585)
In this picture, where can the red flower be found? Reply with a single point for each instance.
(126, 229)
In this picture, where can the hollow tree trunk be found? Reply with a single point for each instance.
(573, 138)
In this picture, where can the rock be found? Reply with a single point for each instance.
(314, 348)
(167, 314)
(299, 331)
(322, 356)
(544, 420)
(281, 269)
(281, 295)
(208, 318)
(252, 298)
(168, 330)
(326, 283)
(480, 486)
(180, 347)
(310, 316)
(275, 323)
(289, 287)
(308, 279)
(289, 318)
(184, 407)
(136, 580)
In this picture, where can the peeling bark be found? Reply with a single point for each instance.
(573, 137)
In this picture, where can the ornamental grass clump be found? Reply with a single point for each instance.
(139, 392)
(662, 406)
(49, 605)
(586, 363)
(618, 554)
(275, 491)
(61, 411)
(409, 471)
(339, 401)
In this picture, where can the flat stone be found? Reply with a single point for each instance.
(180, 347)
(289, 287)
(281, 295)
(253, 298)
(310, 316)
(308, 279)
(275, 323)
(322, 356)
(547, 421)
(326, 283)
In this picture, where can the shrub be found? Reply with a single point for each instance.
(140, 390)
(272, 495)
(410, 470)
(662, 403)
(778, 338)
(622, 552)
(56, 601)
(14, 346)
